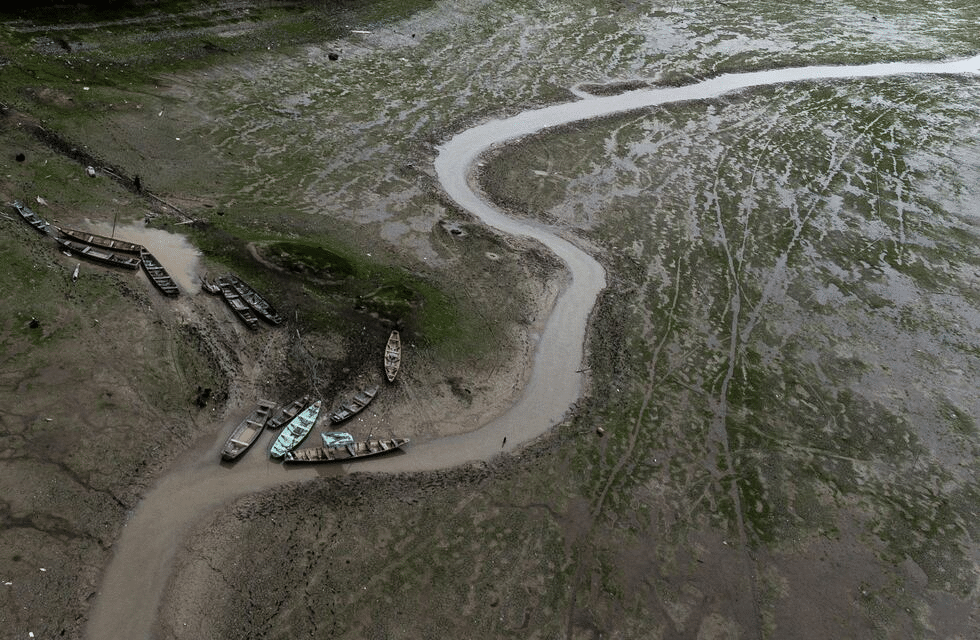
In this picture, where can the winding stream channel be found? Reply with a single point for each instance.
(128, 602)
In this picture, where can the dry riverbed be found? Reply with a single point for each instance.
(787, 489)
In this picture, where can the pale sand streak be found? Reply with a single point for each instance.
(126, 606)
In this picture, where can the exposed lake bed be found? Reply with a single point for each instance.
(686, 514)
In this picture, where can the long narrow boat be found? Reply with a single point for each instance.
(99, 255)
(248, 430)
(158, 275)
(358, 402)
(288, 411)
(294, 432)
(255, 300)
(239, 306)
(31, 218)
(393, 355)
(345, 453)
(100, 241)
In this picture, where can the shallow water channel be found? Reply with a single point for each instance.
(134, 582)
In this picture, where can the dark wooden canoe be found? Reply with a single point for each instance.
(237, 304)
(393, 355)
(99, 255)
(358, 402)
(289, 411)
(248, 430)
(361, 449)
(31, 218)
(157, 274)
(100, 241)
(255, 300)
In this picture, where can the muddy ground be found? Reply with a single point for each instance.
(818, 481)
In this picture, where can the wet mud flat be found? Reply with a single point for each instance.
(642, 531)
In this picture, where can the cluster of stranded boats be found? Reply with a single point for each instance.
(245, 301)
(297, 418)
(115, 253)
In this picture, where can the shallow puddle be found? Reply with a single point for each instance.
(174, 251)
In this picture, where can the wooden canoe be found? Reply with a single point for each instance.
(248, 430)
(346, 453)
(100, 241)
(296, 431)
(393, 355)
(157, 274)
(31, 218)
(255, 300)
(360, 400)
(237, 304)
(288, 412)
(99, 255)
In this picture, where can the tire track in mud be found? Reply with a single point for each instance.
(134, 582)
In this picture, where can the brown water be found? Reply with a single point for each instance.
(178, 256)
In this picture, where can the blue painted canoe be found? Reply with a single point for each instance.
(294, 432)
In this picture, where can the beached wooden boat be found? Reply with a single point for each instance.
(255, 300)
(248, 430)
(346, 453)
(393, 355)
(99, 255)
(100, 241)
(237, 304)
(157, 274)
(294, 432)
(288, 411)
(358, 402)
(31, 218)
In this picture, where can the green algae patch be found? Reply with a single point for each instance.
(312, 260)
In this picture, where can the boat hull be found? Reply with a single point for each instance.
(96, 254)
(288, 412)
(32, 218)
(101, 241)
(295, 431)
(255, 300)
(247, 431)
(158, 275)
(393, 356)
(360, 449)
(360, 400)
